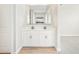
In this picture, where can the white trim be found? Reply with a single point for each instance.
(13, 45)
(58, 32)
(69, 35)
(58, 50)
(17, 51)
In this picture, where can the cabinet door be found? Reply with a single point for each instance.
(31, 38)
(47, 39)
(35, 40)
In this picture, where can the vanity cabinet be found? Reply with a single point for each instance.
(38, 38)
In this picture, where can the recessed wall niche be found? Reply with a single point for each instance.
(39, 14)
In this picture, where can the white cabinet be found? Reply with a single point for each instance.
(47, 38)
(39, 38)
(31, 38)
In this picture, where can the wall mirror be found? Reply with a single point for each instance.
(39, 14)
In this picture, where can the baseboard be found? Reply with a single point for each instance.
(17, 51)
(58, 50)
(38, 46)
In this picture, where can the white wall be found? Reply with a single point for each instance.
(69, 20)
(68, 17)
(70, 44)
(20, 13)
(5, 27)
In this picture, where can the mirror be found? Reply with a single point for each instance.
(39, 14)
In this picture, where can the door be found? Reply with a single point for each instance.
(5, 28)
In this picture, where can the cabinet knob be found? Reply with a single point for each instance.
(30, 37)
(32, 27)
(45, 27)
(45, 37)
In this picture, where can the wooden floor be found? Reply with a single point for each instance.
(4, 52)
(38, 51)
